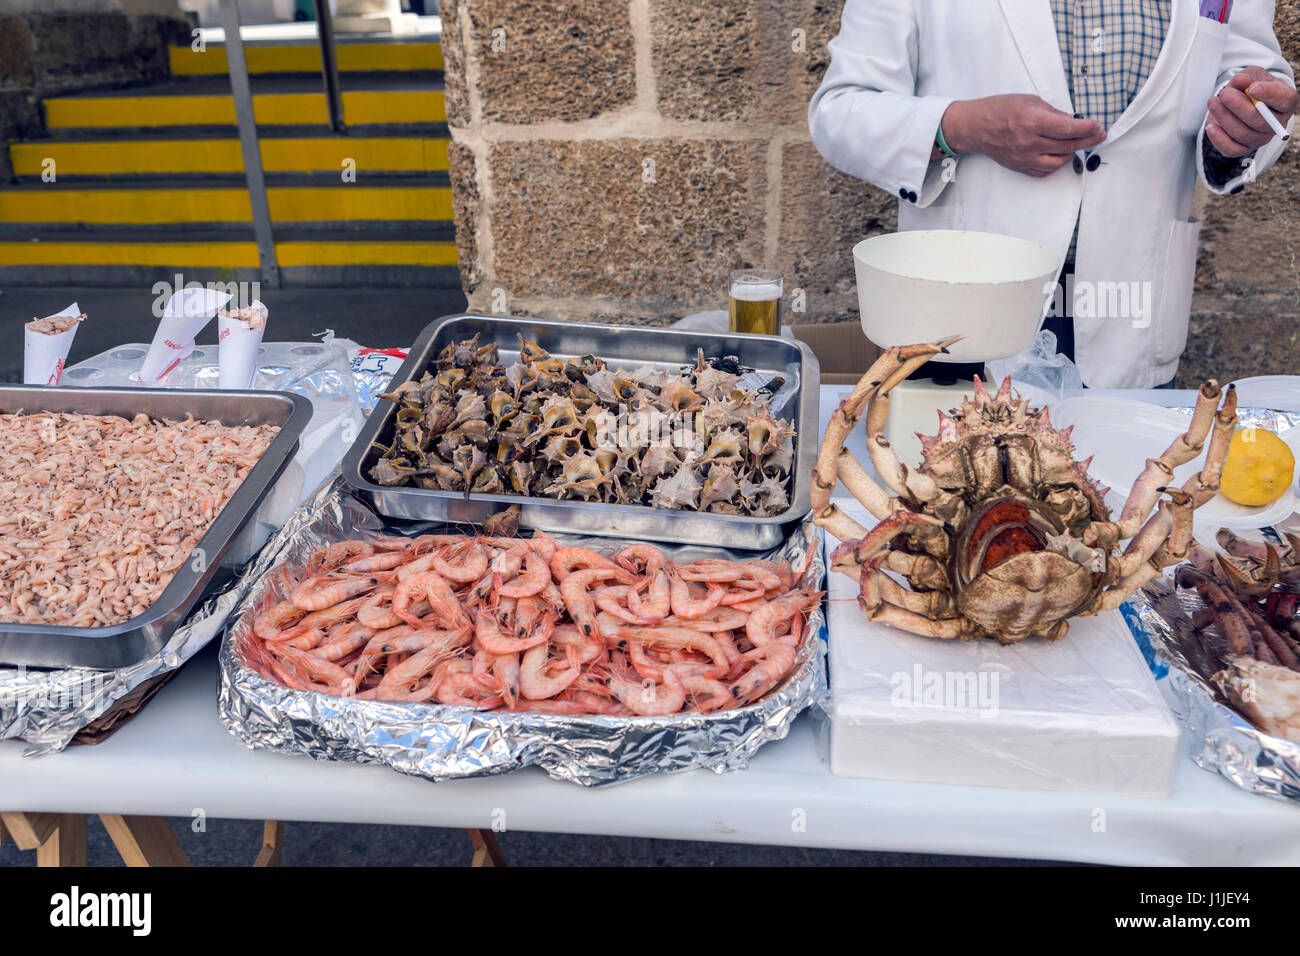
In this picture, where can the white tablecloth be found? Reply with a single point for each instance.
(175, 758)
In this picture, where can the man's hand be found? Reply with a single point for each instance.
(1019, 131)
(1235, 127)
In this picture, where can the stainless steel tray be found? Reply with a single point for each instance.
(619, 345)
(44, 645)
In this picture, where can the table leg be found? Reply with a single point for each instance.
(144, 841)
(272, 853)
(66, 846)
(30, 830)
(487, 852)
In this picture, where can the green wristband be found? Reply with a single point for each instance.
(943, 143)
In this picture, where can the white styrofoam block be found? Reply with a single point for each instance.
(1081, 715)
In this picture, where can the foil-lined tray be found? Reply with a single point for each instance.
(1221, 740)
(441, 742)
(47, 708)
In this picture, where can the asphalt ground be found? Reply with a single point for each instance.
(379, 318)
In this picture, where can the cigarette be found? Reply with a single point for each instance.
(1269, 118)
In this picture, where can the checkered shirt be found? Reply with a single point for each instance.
(1108, 48)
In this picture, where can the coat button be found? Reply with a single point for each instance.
(1094, 161)
(1078, 165)
(902, 193)
(911, 196)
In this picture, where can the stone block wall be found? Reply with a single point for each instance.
(67, 46)
(616, 159)
(1246, 314)
(613, 160)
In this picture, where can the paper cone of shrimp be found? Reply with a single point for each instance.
(239, 338)
(46, 343)
(187, 311)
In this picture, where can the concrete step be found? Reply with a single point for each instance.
(169, 204)
(207, 103)
(322, 259)
(353, 54)
(218, 155)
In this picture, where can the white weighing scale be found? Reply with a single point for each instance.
(928, 284)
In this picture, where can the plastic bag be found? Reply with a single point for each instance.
(1041, 367)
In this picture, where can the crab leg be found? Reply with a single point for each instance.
(1204, 485)
(863, 559)
(1226, 619)
(1240, 547)
(861, 485)
(1164, 540)
(891, 368)
(872, 600)
(1159, 472)
(929, 603)
(901, 479)
(862, 551)
(921, 570)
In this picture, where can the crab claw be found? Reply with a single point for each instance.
(846, 552)
(1254, 581)
(1240, 547)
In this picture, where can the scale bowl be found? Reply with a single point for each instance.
(923, 285)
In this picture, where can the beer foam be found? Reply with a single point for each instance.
(755, 291)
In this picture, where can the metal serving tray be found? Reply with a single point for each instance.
(629, 346)
(45, 645)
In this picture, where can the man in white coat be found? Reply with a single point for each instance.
(1082, 125)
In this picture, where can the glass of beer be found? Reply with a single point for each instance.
(755, 301)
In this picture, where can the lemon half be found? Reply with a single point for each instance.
(1259, 468)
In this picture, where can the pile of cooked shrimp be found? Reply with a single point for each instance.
(526, 624)
(100, 511)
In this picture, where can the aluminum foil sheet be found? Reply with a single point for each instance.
(47, 708)
(1221, 740)
(1269, 419)
(440, 742)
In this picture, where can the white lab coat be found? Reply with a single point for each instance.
(897, 65)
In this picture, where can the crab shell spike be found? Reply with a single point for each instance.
(1004, 393)
(981, 393)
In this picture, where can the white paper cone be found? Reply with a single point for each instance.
(44, 355)
(187, 312)
(237, 346)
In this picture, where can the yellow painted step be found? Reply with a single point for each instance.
(224, 204)
(305, 58)
(193, 255)
(226, 255)
(360, 107)
(365, 252)
(173, 157)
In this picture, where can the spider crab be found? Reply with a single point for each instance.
(1001, 533)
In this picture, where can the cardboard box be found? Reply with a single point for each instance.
(841, 348)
